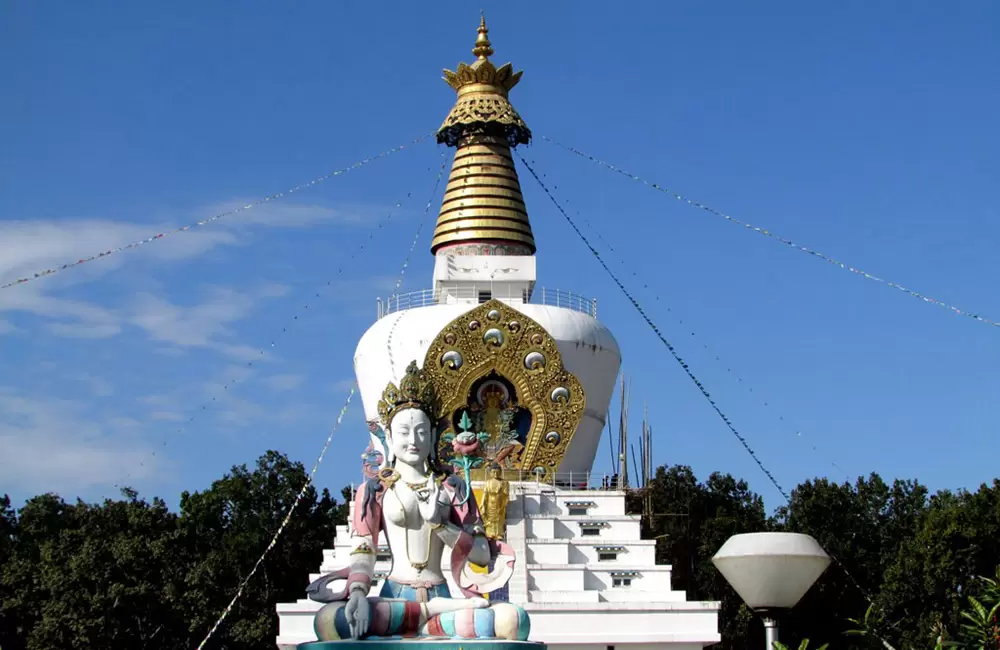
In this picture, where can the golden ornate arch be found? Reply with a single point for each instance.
(494, 337)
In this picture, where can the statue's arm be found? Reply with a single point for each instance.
(480, 553)
(362, 563)
(360, 569)
(365, 528)
(465, 518)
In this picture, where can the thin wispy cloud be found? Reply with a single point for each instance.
(284, 383)
(201, 324)
(30, 246)
(56, 445)
(279, 214)
(84, 330)
(78, 428)
(96, 385)
(166, 416)
(342, 386)
(63, 316)
(27, 247)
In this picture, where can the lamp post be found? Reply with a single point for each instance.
(771, 572)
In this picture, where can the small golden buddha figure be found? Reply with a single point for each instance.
(496, 495)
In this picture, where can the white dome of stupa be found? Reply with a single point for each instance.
(589, 352)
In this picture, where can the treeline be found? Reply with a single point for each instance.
(130, 573)
(907, 562)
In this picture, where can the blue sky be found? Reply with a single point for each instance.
(864, 130)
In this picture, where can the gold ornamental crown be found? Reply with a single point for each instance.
(482, 106)
(482, 71)
(416, 390)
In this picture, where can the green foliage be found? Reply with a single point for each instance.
(979, 627)
(803, 645)
(129, 573)
(863, 526)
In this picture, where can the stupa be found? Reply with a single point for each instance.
(479, 523)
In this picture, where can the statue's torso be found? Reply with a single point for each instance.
(410, 538)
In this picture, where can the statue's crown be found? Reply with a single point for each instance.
(415, 391)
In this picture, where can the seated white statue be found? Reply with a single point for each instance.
(421, 510)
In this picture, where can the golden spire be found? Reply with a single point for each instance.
(483, 206)
(482, 49)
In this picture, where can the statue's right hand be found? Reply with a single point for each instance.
(429, 503)
(357, 612)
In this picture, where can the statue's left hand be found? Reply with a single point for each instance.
(357, 612)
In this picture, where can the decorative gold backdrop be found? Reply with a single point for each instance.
(494, 337)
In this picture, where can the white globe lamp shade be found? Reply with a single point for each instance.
(771, 571)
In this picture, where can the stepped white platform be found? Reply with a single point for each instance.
(584, 575)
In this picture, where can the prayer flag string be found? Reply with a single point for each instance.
(656, 330)
(317, 293)
(645, 285)
(284, 524)
(205, 222)
(406, 261)
(775, 237)
(684, 365)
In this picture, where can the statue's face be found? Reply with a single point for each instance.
(411, 436)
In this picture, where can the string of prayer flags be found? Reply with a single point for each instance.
(409, 254)
(623, 263)
(767, 233)
(684, 365)
(656, 330)
(281, 528)
(212, 219)
(317, 293)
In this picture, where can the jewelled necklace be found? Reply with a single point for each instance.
(419, 484)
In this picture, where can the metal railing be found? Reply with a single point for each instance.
(473, 294)
(569, 480)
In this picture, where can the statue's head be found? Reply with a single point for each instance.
(408, 414)
(411, 436)
(495, 471)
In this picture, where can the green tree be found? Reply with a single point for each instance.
(38, 526)
(131, 574)
(691, 521)
(92, 576)
(8, 537)
(226, 528)
(343, 510)
(936, 569)
(862, 526)
(980, 629)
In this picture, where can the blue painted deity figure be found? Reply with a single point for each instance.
(421, 511)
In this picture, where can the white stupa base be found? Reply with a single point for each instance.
(583, 626)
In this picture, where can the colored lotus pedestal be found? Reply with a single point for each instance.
(422, 644)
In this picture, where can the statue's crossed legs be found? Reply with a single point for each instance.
(473, 618)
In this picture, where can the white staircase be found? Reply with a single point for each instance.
(585, 576)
